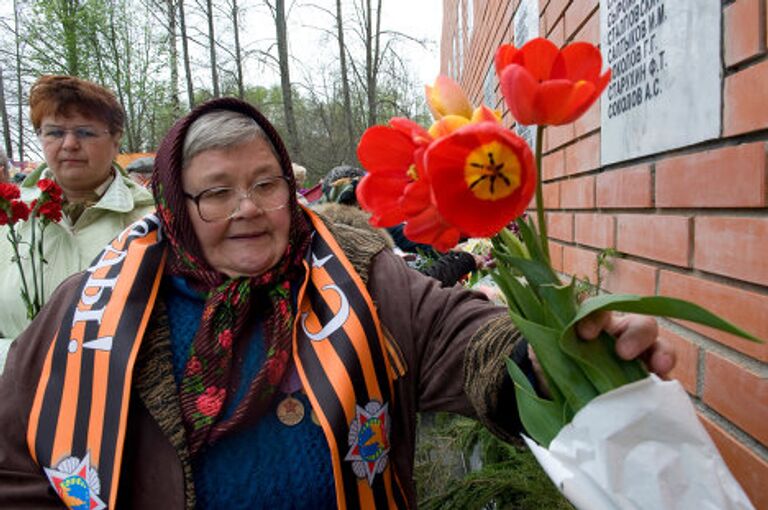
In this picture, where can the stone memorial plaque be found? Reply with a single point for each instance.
(666, 86)
(526, 27)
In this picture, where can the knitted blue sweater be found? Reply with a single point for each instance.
(270, 465)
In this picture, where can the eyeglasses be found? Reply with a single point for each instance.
(222, 203)
(55, 135)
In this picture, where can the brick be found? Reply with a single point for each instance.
(743, 308)
(742, 31)
(748, 468)
(630, 277)
(553, 12)
(727, 177)
(580, 263)
(551, 193)
(735, 247)
(657, 237)
(737, 393)
(557, 33)
(583, 155)
(686, 366)
(557, 136)
(746, 104)
(625, 187)
(588, 122)
(556, 256)
(594, 230)
(578, 193)
(590, 32)
(553, 165)
(577, 13)
(560, 226)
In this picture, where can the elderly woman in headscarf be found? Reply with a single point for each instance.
(79, 125)
(236, 351)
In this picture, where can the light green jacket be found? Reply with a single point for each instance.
(68, 248)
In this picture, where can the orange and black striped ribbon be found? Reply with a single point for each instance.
(346, 370)
(81, 404)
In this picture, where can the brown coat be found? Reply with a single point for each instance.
(452, 340)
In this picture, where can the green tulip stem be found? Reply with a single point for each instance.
(540, 193)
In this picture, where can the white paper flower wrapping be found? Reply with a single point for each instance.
(640, 446)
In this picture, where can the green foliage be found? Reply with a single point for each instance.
(510, 477)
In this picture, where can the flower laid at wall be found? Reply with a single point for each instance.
(605, 432)
(40, 213)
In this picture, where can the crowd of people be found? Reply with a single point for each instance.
(216, 343)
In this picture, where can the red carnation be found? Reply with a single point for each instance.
(9, 191)
(50, 187)
(51, 211)
(19, 211)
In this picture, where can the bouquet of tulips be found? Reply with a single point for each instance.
(39, 213)
(608, 434)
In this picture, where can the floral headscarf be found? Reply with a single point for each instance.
(209, 371)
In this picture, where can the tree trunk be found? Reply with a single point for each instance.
(174, 58)
(285, 79)
(4, 120)
(350, 145)
(185, 47)
(20, 101)
(212, 47)
(68, 19)
(372, 59)
(238, 50)
(114, 42)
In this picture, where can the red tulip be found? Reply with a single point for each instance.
(392, 155)
(482, 177)
(424, 223)
(547, 86)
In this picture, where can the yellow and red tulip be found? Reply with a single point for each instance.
(446, 97)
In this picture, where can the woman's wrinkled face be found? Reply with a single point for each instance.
(79, 150)
(252, 240)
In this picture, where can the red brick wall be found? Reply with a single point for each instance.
(690, 222)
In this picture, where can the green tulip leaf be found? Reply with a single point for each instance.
(522, 295)
(529, 233)
(660, 306)
(501, 276)
(561, 371)
(598, 359)
(513, 245)
(561, 301)
(537, 273)
(541, 418)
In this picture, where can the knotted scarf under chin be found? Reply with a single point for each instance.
(209, 370)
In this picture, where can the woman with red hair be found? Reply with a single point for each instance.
(79, 125)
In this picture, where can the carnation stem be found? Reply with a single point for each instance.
(25, 289)
(540, 194)
(35, 301)
(43, 224)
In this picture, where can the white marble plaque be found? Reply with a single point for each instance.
(526, 24)
(666, 86)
